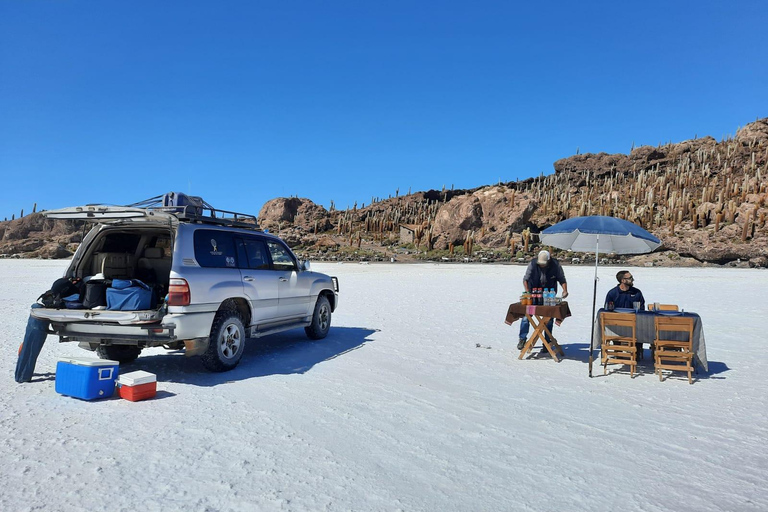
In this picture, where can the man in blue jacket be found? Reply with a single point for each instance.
(542, 272)
(624, 295)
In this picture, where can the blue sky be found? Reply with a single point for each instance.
(244, 101)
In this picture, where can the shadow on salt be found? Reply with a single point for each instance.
(280, 354)
(580, 352)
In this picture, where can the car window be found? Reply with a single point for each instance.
(281, 257)
(215, 249)
(256, 252)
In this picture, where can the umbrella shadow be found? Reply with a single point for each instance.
(280, 354)
(576, 351)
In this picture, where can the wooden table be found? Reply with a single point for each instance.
(539, 316)
(646, 332)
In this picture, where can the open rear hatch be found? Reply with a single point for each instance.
(102, 214)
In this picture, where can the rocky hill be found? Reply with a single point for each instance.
(706, 201)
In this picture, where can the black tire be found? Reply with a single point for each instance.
(119, 353)
(226, 343)
(321, 319)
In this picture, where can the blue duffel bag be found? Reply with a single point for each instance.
(129, 295)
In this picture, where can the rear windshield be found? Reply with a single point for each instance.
(215, 249)
(121, 242)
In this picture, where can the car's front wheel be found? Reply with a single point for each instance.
(226, 343)
(321, 319)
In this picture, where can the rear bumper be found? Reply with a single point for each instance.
(171, 328)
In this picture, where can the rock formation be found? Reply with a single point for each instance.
(703, 198)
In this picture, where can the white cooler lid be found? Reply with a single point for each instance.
(136, 378)
(89, 361)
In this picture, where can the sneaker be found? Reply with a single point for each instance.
(521, 344)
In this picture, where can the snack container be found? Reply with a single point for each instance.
(138, 385)
(86, 378)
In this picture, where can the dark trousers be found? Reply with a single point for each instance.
(34, 338)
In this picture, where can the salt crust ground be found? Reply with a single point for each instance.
(398, 409)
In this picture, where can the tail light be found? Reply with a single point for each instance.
(178, 293)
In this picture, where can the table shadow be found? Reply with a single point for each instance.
(580, 352)
(286, 353)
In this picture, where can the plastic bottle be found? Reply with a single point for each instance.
(548, 300)
(545, 297)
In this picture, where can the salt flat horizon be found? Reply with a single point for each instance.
(415, 401)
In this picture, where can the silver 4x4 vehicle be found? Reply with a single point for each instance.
(216, 279)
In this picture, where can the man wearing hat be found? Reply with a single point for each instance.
(542, 272)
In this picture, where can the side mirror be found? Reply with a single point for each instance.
(304, 265)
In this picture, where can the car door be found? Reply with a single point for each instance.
(259, 282)
(293, 290)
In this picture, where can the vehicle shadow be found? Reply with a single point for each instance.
(286, 353)
(580, 352)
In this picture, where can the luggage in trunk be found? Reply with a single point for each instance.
(129, 295)
(95, 293)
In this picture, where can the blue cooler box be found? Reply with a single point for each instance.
(85, 377)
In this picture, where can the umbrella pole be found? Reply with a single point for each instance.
(594, 298)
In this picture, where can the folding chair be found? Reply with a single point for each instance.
(664, 307)
(671, 354)
(618, 348)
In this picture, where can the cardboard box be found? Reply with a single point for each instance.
(138, 385)
(86, 378)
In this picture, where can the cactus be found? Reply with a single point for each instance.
(526, 238)
(745, 228)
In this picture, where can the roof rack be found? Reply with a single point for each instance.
(195, 209)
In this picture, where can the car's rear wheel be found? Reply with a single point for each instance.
(226, 343)
(119, 353)
(321, 319)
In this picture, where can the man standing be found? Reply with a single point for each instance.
(542, 272)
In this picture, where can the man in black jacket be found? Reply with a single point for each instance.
(542, 272)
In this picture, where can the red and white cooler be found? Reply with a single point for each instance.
(138, 385)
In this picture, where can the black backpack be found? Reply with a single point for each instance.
(63, 287)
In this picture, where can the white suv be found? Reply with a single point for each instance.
(215, 278)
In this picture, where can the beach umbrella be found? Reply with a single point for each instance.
(599, 233)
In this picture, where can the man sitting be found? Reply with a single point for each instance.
(624, 295)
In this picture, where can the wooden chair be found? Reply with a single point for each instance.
(673, 354)
(664, 307)
(618, 349)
